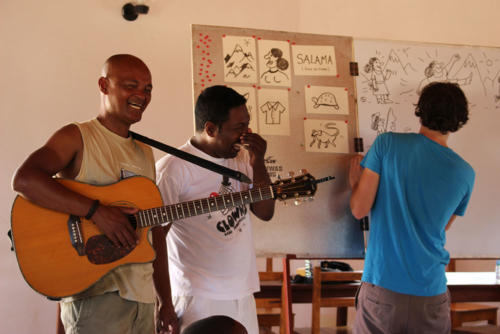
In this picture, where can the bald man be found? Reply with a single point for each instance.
(123, 301)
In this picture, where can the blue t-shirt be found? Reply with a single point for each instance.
(422, 184)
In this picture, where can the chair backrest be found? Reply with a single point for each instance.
(270, 310)
(341, 303)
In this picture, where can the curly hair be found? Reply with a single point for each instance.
(442, 107)
(213, 105)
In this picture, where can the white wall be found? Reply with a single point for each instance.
(51, 53)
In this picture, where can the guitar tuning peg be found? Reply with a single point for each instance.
(291, 174)
(303, 171)
(278, 177)
(310, 199)
(285, 203)
(298, 202)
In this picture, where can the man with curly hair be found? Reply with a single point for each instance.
(414, 185)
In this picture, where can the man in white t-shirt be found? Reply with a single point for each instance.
(211, 256)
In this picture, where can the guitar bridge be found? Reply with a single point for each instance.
(75, 234)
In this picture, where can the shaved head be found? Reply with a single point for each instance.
(119, 61)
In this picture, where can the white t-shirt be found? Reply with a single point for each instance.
(210, 255)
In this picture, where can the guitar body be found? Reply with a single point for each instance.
(47, 259)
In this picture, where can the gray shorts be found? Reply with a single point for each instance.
(379, 310)
(107, 314)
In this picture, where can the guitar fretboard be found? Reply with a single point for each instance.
(170, 213)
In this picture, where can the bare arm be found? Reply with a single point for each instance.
(62, 154)
(364, 184)
(165, 316)
(257, 149)
(452, 219)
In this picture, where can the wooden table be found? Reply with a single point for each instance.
(463, 286)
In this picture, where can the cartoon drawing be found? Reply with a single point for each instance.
(325, 99)
(381, 124)
(324, 137)
(276, 65)
(378, 79)
(273, 111)
(437, 71)
(239, 63)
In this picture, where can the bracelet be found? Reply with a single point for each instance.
(92, 210)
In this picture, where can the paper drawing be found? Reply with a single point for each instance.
(274, 63)
(326, 136)
(249, 94)
(274, 112)
(326, 100)
(400, 70)
(314, 60)
(240, 64)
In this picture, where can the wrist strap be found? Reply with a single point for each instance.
(92, 210)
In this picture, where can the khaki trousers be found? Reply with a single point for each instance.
(383, 311)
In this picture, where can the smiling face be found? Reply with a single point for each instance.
(226, 138)
(127, 88)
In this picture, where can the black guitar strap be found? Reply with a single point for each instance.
(224, 171)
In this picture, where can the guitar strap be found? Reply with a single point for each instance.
(224, 171)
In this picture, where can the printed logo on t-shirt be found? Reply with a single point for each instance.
(233, 217)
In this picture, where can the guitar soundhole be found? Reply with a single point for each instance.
(100, 250)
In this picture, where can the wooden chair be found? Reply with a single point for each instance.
(341, 303)
(269, 310)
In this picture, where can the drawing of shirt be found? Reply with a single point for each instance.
(273, 111)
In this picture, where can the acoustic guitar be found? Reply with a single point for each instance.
(61, 255)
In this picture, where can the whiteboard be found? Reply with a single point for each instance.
(405, 67)
(301, 99)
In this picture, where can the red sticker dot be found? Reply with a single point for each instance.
(213, 75)
(201, 40)
(223, 35)
(289, 89)
(203, 58)
(308, 86)
(258, 38)
(208, 76)
(209, 80)
(258, 87)
(208, 66)
(203, 51)
(197, 46)
(201, 65)
(253, 36)
(208, 53)
(293, 43)
(206, 71)
(202, 80)
(305, 118)
(200, 73)
(254, 86)
(204, 42)
(346, 89)
(345, 122)
(206, 36)
(338, 75)
(208, 46)
(202, 85)
(209, 40)
(201, 34)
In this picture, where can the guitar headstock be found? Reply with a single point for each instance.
(295, 187)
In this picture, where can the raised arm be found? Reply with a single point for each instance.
(364, 185)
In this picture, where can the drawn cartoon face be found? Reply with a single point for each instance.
(271, 61)
(438, 68)
(377, 65)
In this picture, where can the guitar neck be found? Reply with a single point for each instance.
(173, 212)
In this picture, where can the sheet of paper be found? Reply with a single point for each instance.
(325, 136)
(240, 63)
(274, 63)
(274, 112)
(314, 60)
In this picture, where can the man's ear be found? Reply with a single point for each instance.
(103, 85)
(211, 128)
